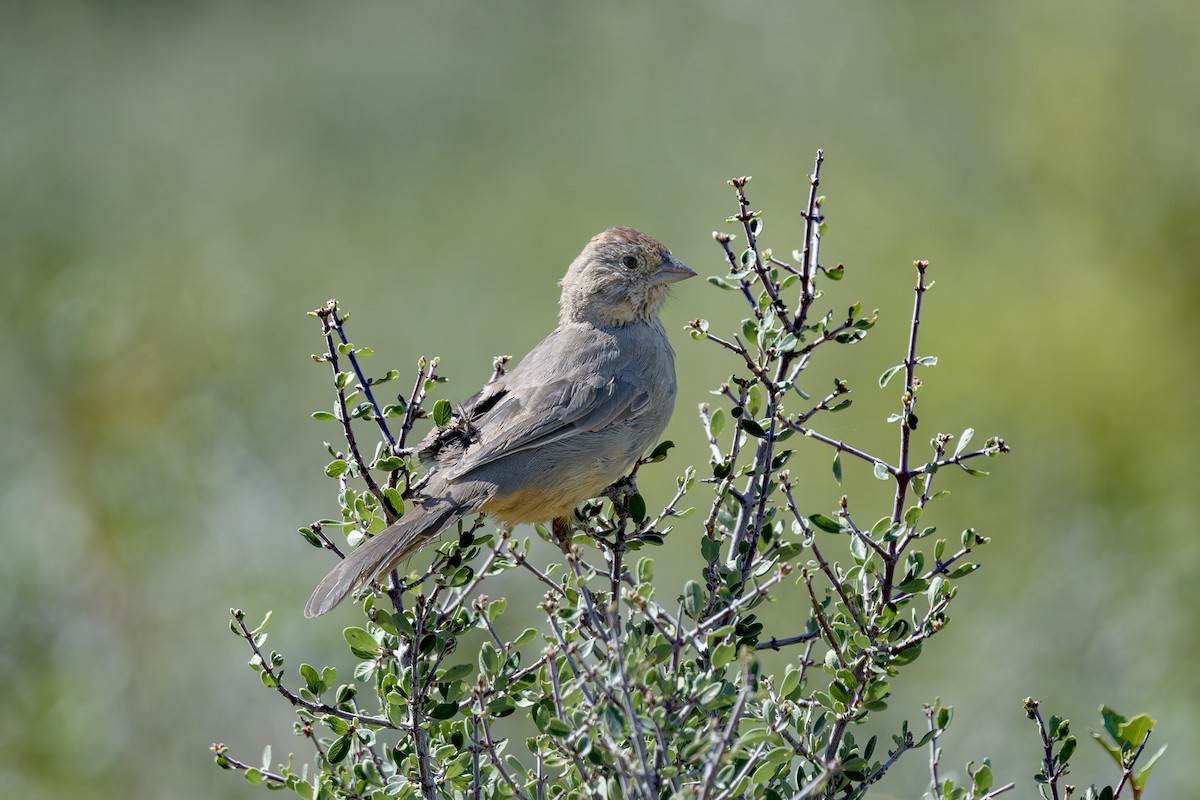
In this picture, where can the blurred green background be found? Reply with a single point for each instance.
(180, 182)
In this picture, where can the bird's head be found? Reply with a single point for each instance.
(622, 276)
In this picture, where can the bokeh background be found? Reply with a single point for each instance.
(180, 182)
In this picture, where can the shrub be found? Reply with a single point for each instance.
(626, 693)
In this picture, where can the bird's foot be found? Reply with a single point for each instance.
(621, 490)
(560, 534)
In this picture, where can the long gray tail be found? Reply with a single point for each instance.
(383, 551)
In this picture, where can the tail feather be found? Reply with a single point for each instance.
(382, 552)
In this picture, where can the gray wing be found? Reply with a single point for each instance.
(534, 416)
(462, 430)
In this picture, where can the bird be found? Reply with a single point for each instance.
(568, 421)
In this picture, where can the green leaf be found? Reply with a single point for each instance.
(1135, 729)
(398, 620)
(791, 680)
(1139, 780)
(443, 711)
(710, 549)
(1112, 749)
(753, 428)
(362, 644)
(389, 463)
(837, 466)
(526, 636)
(442, 413)
(722, 654)
(502, 706)
(881, 471)
(323, 416)
(496, 608)
(1112, 722)
(557, 728)
(754, 400)
(763, 773)
(720, 283)
(825, 523)
(1068, 749)
(659, 453)
(888, 373)
(907, 655)
(312, 680)
(789, 550)
(637, 508)
(716, 423)
(982, 779)
(462, 576)
(394, 497)
(963, 441)
(311, 537)
(693, 599)
(339, 749)
(489, 659)
(927, 361)
(645, 570)
(336, 467)
(965, 569)
(455, 673)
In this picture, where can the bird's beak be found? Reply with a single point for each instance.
(671, 270)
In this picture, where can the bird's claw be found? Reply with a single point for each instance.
(623, 488)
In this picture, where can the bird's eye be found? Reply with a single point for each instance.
(630, 262)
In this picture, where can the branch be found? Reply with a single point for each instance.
(296, 700)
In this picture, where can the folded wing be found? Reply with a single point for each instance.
(536, 416)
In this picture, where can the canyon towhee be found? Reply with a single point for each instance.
(567, 422)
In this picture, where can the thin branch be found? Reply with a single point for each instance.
(1127, 769)
(1048, 769)
(725, 740)
(344, 414)
(834, 645)
(776, 643)
(812, 243)
(420, 736)
(839, 445)
(934, 753)
(295, 699)
(229, 762)
(363, 383)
